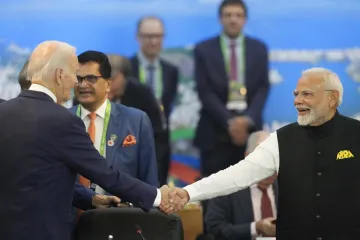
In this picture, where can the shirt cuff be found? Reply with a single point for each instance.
(192, 193)
(253, 230)
(157, 201)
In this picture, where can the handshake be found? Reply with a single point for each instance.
(173, 200)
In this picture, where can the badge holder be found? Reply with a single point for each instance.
(237, 97)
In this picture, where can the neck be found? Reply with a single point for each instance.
(46, 85)
(94, 106)
(232, 36)
(323, 120)
(149, 58)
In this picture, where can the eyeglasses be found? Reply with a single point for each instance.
(89, 79)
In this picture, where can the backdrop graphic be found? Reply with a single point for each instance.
(300, 34)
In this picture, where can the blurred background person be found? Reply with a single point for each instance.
(248, 213)
(161, 76)
(127, 90)
(122, 135)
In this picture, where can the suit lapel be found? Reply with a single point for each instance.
(135, 67)
(165, 75)
(246, 204)
(219, 58)
(276, 192)
(247, 61)
(113, 129)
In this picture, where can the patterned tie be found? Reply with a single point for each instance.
(233, 61)
(91, 130)
(266, 209)
(151, 77)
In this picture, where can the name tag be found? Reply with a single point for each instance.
(237, 97)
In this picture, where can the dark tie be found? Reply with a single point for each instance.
(266, 210)
(150, 76)
(233, 61)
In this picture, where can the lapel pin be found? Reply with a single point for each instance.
(112, 140)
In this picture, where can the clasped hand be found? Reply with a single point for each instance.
(173, 200)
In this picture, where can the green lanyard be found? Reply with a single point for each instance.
(158, 80)
(106, 124)
(224, 47)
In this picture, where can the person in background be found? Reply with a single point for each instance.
(121, 134)
(38, 181)
(232, 81)
(126, 90)
(246, 214)
(161, 76)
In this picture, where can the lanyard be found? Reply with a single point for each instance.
(158, 80)
(224, 47)
(106, 124)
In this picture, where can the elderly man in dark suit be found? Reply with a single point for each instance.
(248, 213)
(38, 181)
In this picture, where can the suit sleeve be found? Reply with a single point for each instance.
(210, 101)
(218, 220)
(147, 162)
(257, 105)
(79, 154)
(82, 198)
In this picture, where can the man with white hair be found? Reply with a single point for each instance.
(317, 160)
(38, 179)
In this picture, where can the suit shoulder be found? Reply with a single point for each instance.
(206, 42)
(129, 111)
(350, 122)
(289, 127)
(257, 42)
(169, 65)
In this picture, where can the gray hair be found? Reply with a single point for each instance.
(119, 64)
(46, 58)
(331, 79)
(255, 139)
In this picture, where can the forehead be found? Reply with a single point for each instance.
(88, 68)
(310, 82)
(236, 8)
(151, 26)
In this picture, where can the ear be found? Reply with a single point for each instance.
(334, 98)
(108, 86)
(59, 75)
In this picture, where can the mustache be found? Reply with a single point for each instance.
(302, 107)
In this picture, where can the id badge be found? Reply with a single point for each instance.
(237, 97)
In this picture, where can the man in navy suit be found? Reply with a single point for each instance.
(137, 159)
(248, 213)
(231, 73)
(162, 77)
(38, 179)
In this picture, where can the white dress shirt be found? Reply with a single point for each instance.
(256, 196)
(39, 88)
(258, 165)
(238, 52)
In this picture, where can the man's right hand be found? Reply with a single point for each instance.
(239, 130)
(265, 227)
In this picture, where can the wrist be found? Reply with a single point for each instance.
(93, 199)
(258, 227)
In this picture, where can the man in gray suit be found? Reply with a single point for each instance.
(248, 213)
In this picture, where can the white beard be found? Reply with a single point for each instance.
(307, 119)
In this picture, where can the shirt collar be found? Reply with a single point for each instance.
(145, 62)
(99, 112)
(228, 40)
(39, 88)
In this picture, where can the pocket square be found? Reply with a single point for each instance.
(129, 140)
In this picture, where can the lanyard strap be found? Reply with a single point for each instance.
(158, 80)
(105, 128)
(224, 47)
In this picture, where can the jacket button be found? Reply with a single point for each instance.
(318, 216)
(319, 174)
(319, 153)
(318, 194)
(318, 238)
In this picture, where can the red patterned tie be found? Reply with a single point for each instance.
(266, 209)
(233, 61)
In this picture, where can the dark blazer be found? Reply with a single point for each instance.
(138, 160)
(170, 75)
(229, 217)
(213, 88)
(2, 100)
(38, 180)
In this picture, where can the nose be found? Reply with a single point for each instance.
(298, 99)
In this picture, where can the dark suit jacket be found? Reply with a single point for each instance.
(170, 80)
(229, 217)
(2, 100)
(138, 160)
(213, 88)
(38, 180)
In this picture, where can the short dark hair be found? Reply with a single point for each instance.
(24, 82)
(143, 19)
(97, 57)
(226, 3)
(120, 64)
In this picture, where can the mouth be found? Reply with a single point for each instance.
(303, 111)
(85, 93)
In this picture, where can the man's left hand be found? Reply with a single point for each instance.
(104, 201)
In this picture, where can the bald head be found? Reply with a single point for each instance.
(47, 57)
(255, 139)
